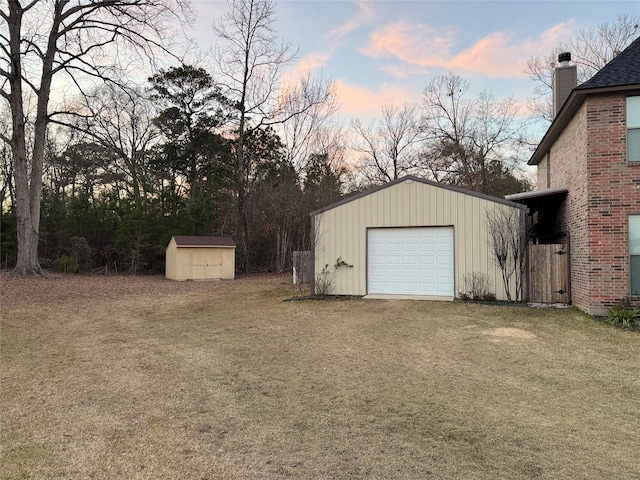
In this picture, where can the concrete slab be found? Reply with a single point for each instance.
(377, 296)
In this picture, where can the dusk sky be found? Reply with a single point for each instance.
(385, 52)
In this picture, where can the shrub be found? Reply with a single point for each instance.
(324, 282)
(476, 287)
(65, 264)
(624, 315)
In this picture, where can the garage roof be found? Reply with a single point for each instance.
(199, 241)
(410, 179)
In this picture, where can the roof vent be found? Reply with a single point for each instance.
(565, 79)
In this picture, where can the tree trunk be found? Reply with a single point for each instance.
(244, 226)
(241, 167)
(28, 225)
(282, 246)
(29, 186)
(28, 213)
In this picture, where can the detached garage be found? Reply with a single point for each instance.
(410, 237)
(200, 258)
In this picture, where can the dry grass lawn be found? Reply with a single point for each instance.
(119, 377)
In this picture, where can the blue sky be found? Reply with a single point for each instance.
(385, 52)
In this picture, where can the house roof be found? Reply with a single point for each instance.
(198, 241)
(624, 69)
(622, 74)
(413, 178)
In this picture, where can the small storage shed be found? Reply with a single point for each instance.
(200, 258)
(409, 237)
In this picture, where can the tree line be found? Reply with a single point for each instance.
(103, 178)
(135, 167)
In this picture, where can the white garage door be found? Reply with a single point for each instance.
(410, 261)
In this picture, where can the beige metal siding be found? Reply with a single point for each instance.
(342, 231)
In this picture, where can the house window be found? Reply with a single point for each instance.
(633, 129)
(634, 253)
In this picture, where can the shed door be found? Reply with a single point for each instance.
(206, 263)
(410, 261)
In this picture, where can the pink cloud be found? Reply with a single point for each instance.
(501, 55)
(312, 61)
(360, 101)
(410, 43)
(498, 54)
(305, 66)
(364, 13)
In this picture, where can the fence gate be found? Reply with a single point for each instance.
(548, 273)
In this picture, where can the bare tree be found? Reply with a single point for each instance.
(72, 41)
(464, 135)
(387, 148)
(507, 243)
(250, 61)
(120, 120)
(74, 163)
(590, 50)
(305, 126)
(330, 142)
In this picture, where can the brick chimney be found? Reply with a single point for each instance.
(565, 79)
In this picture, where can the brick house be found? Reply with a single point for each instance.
(588, 181)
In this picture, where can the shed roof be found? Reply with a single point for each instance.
(413, 178)
(201, 241)
(622, 74)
